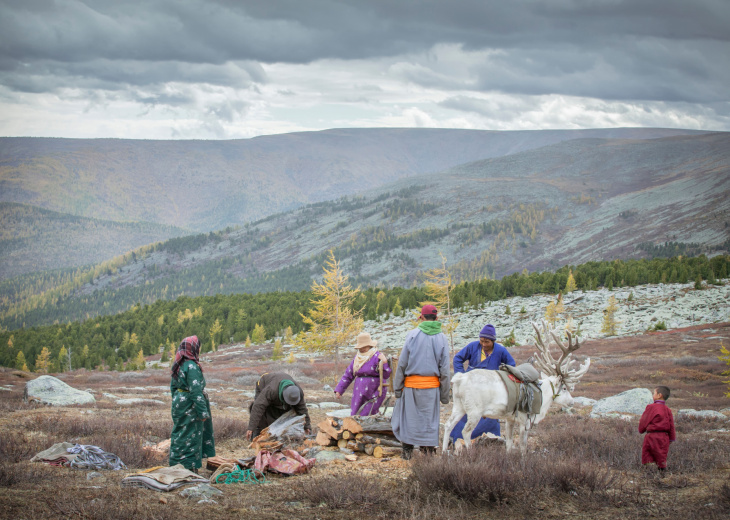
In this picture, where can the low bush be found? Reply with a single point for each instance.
(338, 493)
(228, 428)
(17, 446)
(22, 473)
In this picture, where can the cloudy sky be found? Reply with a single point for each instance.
(217, 69)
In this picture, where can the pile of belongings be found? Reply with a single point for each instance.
(284, 462)
(163, 478)
(80, 456)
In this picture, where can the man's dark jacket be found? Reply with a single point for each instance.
(267, 407)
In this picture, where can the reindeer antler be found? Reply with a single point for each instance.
(546, 362)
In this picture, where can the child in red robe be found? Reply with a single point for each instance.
(658, 423)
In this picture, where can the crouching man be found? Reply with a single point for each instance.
(276, 394)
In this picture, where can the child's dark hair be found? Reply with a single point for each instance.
(664, 391)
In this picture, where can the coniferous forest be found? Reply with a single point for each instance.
(113, 342)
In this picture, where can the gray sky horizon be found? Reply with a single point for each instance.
(221, 69)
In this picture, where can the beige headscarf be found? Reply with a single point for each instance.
(363, 340)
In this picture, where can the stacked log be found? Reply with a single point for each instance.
(371, 435)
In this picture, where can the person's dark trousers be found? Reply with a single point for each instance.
(407, 451)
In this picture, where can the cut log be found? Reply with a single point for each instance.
(368, 448)
(359, 436)
(382, 440)
(347, 435)
(351, 424)
(381, 451)
(368, 424)
(350, 445)
(327, 427)
(324, 440)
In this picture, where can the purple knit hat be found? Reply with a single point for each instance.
(488, 332)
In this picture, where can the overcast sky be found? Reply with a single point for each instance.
(204, 69)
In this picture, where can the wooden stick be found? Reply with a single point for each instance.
(351, 425)
(381, 451)
(346, 434)
(380, 440)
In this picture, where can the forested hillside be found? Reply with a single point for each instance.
(112, 341)
(34, 239)
(568, 203)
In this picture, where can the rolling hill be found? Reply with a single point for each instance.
(569, 202)
(208, 185)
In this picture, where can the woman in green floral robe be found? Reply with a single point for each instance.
(192, 430)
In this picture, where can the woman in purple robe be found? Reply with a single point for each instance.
(365, 370)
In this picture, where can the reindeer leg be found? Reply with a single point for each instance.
(508, 428)
(456, 414)
(471, 423)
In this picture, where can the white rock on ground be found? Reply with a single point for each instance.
(345, 412)
(53, 391)
(702, 413)
(137, 400)
(632, 401)
(330, 404)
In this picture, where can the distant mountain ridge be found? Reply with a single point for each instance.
(565, 203)
(208, 185)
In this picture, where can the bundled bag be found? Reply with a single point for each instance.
(285, 462)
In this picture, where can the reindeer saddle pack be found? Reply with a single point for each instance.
(523, 388)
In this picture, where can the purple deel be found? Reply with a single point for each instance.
(367, 380)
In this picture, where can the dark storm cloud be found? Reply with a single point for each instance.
(674, 50)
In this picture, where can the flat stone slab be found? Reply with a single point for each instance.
(632, 401)
(329, 456)
(702, 413)
(137, 400)
(53, 391)
(330, 404)
(345, 412)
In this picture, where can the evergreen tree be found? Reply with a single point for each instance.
(277, 352)
(508, 311)
(62, 354)
(397, 308)
(610, 324)
(20, 363)
(214, 330)
(248, 341)
(43, 361)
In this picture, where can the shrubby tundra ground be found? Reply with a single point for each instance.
(576, 465)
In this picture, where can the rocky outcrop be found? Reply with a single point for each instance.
(632, 401)
(53, 391)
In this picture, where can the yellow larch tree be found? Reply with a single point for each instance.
(438, 285)
(20, 362)
(570, 285)
(214, 329)
(332, 322)
(43, 361)
(139, 361)
(610, 323)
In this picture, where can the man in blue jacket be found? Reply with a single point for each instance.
(484, 354)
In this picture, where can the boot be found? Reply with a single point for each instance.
(407, 451)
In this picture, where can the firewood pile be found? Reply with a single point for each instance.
(370, 435)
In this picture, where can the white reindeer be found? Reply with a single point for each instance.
(482, 393)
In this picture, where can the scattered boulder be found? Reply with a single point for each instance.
(584, 401)
(632, 401)
(202, 492)
(329, 456)
(691, 412)
(53, 391)
(137, 400)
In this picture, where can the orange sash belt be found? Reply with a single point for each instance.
(422, 382)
